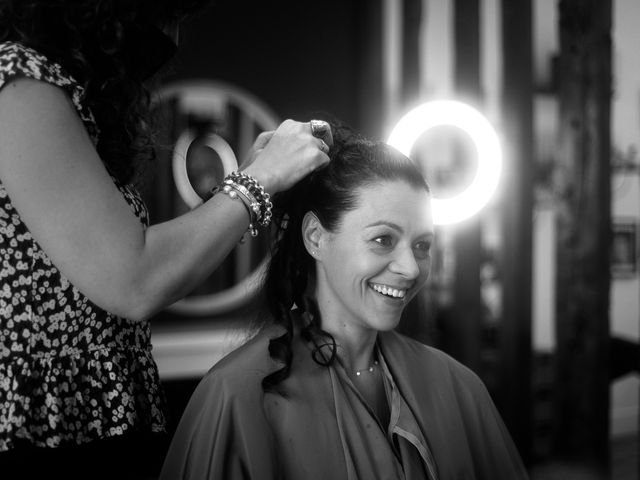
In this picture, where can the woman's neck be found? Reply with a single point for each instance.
(355, 340)
(355, 345)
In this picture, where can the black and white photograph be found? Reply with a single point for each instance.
(341, 239)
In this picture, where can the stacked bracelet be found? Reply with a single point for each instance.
(257, 202)
(263, 198)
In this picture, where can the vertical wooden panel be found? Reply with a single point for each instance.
(411, 20)
(515, 330)
(584, 216)
(466, 319)
(369, 67)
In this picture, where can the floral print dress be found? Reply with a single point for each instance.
(70, 372)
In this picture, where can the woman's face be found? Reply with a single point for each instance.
(377, 259)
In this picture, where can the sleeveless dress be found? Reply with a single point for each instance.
(70, 372)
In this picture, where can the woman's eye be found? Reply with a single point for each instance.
(384, 241)
(422, 249)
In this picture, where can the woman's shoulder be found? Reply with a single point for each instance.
(432, 360)
(413, 348)
(242, 370)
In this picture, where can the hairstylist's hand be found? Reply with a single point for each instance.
(281, 158)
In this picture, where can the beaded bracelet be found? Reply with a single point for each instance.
(262, 197)
(239, 185)
(250, 202)
(234, 194)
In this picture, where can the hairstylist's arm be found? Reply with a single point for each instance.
(62, 191)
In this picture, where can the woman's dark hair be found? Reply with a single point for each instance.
(329, 193)
(103, 44)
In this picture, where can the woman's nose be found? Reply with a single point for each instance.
(405, 264)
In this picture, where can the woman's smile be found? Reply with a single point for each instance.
(388, 290)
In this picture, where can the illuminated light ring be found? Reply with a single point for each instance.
(456, 114)
(179, 163)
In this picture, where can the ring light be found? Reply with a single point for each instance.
(456, 114)
(179, 163)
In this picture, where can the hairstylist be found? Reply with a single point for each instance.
(82, 270)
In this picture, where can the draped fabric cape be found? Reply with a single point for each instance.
(232, 430)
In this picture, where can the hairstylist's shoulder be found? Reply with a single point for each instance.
(22, 93)
(23, 97)
(34, 109)
(18, 63)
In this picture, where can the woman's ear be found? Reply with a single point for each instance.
(312, 232)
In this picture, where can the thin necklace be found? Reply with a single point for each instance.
(369, 369)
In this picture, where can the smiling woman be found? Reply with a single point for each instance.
(326, 389)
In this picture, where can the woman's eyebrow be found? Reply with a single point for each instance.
(428, 236)
(389, 224)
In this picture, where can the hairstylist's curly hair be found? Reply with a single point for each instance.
(93, 41)
(355, 162)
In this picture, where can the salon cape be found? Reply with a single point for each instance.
(231, 430)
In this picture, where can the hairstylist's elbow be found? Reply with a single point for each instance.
(141, 307)
(137, 313)
(133, 304)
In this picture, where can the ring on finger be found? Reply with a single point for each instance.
(319, 128)
(324, 148)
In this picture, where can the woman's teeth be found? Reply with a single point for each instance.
(390, 292)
